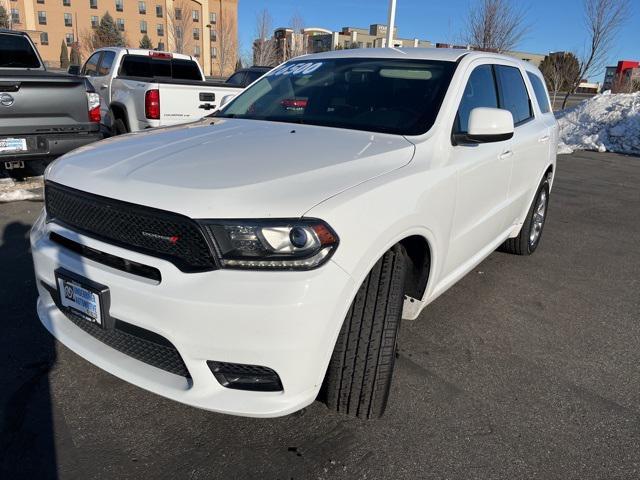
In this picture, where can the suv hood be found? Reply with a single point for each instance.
(232, 168)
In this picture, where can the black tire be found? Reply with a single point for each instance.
(119, 127)
(524, 244)
(358, 379)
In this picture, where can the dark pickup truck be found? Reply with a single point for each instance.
(42, 114)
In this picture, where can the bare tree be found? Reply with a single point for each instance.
(603, 19)
(227, 46)
(495, 25)
(6, 18)
(179, 24)
(559, 69)
(264, 46)
(298, 44)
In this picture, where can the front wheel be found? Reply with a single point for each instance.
(529, 237)
(358, 379)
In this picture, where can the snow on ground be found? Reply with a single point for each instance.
(606, 123)
(13, 191)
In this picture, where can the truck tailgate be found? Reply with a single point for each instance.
(181, 103)
(41, 102)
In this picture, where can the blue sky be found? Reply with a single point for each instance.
(555, 24)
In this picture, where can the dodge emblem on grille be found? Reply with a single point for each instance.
(172, 239)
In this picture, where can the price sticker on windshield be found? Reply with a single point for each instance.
(296, 69)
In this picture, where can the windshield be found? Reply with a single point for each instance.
(378, 95)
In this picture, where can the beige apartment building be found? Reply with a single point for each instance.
(205, 29)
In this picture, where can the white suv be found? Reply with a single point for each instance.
(263, 257)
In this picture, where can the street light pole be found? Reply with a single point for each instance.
(391, 22)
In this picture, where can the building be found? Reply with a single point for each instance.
(205, 29)
(624, 77)
(289, 43)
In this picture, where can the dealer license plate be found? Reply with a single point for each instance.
(80, 300)
(13, 145)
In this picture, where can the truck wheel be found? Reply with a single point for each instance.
(529, 237)
(358, 379)
(119, 128)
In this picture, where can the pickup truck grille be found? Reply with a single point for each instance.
(154, 232)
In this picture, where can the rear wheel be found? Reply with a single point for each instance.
(119, 127)
(529, 237)
(358, 379)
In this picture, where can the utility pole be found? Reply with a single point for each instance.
(391, 23)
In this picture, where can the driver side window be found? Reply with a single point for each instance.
(479, 92)
(90, 68)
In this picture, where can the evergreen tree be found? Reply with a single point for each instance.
(75, 58)
(64, 56)
(145, 42)
(107, 34)
(4, 18)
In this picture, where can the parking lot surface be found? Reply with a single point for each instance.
(527, 368)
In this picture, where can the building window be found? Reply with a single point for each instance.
(68, 38)
(119, 5)
(66, 3)
(195, 15)
(42, 18)
(178, 31)
(93, 4)
(120, 24)
(160, 30)
(177, 13)
(159, 11)
(41, 1)
(196, 34)
(15, 15)
(196, 51)
(214, 52)
(143, 26)
(95, 21)
(212, 17)
(160, 45)
(68, 20)
(213, 35)
(44, 38)
(142, 8)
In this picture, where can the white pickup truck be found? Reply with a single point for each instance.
(143, 89)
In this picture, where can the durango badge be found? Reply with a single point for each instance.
(173, 239)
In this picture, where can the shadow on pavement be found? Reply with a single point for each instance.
(27, 354)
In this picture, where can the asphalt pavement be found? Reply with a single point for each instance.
(527, 368)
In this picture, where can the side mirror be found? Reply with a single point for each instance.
(487, 125)
(73, 70)
(226, 99)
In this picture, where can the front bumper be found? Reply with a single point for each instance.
(287, 321)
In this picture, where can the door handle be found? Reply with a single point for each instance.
(103, 86)
(506, 154)
(207, 106)
(544, 139)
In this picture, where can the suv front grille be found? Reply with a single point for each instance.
(158, 233)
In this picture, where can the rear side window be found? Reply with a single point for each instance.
(479, 92)
(540, 92)
(513, 93)
(106, 62)
(17, 52)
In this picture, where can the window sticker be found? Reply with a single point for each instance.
(304, 68)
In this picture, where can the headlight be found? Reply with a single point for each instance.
(296, 244)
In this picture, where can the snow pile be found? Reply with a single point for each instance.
(606, 123)
(12, 191)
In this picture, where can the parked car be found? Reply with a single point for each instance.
(145, 89)
(346, 190)
(246, 76)
(42, 114)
